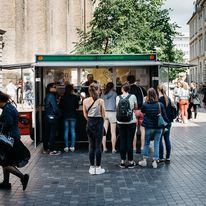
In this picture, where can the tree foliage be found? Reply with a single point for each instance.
(130, 26)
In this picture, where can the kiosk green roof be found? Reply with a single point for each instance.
(96, 60)
(103, 57)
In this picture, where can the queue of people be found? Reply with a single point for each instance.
(134, 110)
(104, 110)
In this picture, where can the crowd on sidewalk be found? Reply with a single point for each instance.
(133, 112)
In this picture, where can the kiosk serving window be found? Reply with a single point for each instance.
(61, 76)
(101, 75)
(77, 76)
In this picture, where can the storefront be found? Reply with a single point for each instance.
(18, 82)
(73, 69)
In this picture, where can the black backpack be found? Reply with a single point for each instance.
(124, 112)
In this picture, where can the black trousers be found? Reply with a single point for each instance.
(49, 137)
(126, 135)
(194, 106)
(95, 134)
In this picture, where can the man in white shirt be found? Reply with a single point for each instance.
(11, 90)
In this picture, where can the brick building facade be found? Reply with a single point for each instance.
(197, 25)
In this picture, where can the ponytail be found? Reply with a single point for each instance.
(162, 89)
(166, 99)
(93, 91)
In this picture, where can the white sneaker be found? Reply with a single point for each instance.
(72, 149)
(92, 170)
(66, 149)
(154, 164)
(143, 163)
(55, 152)
(99, 170)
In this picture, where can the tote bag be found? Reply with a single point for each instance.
(161, 121)
(7, 140)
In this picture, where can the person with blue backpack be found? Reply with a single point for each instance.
(126, 120)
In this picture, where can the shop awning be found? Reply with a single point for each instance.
(16, 66)
(97, 64)
(176, 65)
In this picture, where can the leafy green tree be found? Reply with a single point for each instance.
(130, 26)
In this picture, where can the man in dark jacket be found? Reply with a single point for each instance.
(52, 114)
(138, 91)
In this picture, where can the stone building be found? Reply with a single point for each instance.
(197, 25)
(42, 26)
(2, 32)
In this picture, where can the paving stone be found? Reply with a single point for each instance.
(64, 179)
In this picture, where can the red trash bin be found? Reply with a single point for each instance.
(25, 123)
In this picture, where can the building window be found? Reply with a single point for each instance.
(200, 73)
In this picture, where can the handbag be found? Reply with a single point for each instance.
(196, 101)
(7, 140)
(161, 121)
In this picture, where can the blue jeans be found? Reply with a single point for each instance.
(69, 126)
(156, 134)
(166, 137)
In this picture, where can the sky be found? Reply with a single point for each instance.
(182, 12)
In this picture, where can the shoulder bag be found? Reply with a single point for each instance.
(6, 139)
(161, 121)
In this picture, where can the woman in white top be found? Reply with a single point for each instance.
(127, 129)
(94, 112)
(184, 101)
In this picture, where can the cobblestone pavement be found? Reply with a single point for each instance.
(64, 179)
